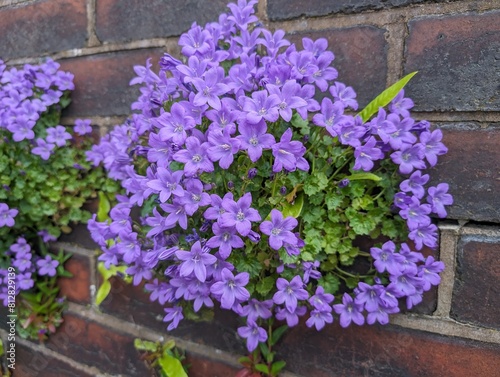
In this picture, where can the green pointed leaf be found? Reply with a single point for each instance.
(105, 273)
(362, 176)
(103, 292)
(277, 367)
(144, 345)
(262, 368)
(171, 366)
(294, 209)
(385, 97)
(104, 207)
(277, 334)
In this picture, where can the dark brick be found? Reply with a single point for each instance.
(476, 293)
(458, 60)
(219, 333)
(360, 57)
(285, 9)
(384, 351)
(80, 236)
(201, 366)
(93, 344)
(102, 82)
(125, 20)
(471, 169)
(42, 27)
(77, 288)
(32, 364)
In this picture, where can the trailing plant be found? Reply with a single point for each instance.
(245, 191)
(163, 358)
(45, 181)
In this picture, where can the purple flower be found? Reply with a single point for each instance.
(24, 281)
(239, 214)
(231, 289)
(195, 261)
(257, 309)
(368, 296)
(196, 40)
(405, 284)
(253, 334)
(174, 124)
(176, 214)
(82, 127)
(331, 115)
(409, 158)
(279, 230)
(225, 239)
(319, 318)
(20, 246)
(223, 147)
(416, 214)
(400, 105)
(438, 197)
(290, 292)
(23, 261)
(288, 98)
(194, 197)
(344, 95)
(43, 149)
(210, 88)
(58, 135)
(397, 132)
(7, 215)
(386, 258)
(415, 184)
(288, 154)
(366, 154)
(321, 300)
(349, 311)
(261, 106)
(291, 317)
(429, 272)
(168, 183)
(47, 266)
(174, 315)
(432, 145)
(381, 315)
(254, 139)
(425, 234)
(194, 157)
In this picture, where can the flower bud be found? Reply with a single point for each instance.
(283, 190)
(252, 173)
(343, 183)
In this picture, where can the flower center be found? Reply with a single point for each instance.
(254, 141)
(240, 216)
(196, 158)
(275, 231)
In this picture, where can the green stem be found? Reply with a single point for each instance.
(349, 274)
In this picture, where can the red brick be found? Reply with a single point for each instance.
(93, 344)
(29, 363)
(387, 351)
(42, 27)
(201, 366)
(360, 57)
(132, 304)
(285, 9)
(476, 293)
(126, 20)
(471, 169)
(77, 288)
(457, 59)
(102, 82)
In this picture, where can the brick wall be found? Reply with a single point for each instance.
(455, 46)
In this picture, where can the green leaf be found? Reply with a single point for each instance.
(265, 285)
(264, 349)
(277, 334)
(105, 273)
(104, 207)
(103, 292)
(144, 345)
(262, 368)
(171, 366)
(361, 176)
(277, 367)
(384, 98)
(294, 209)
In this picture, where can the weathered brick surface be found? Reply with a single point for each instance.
(125, 20)
(285, 9)
(80, 236)
(42, 27)
(476, 293)
(458, 62)
(102, 82)
(132, 304)
(77, 288)
(360, 57)
(204, 367)
(93, 344)
(471, 169)
(385, 351)
(32, 364)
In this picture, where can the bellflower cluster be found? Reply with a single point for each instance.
(247, 203)
(44, 182)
